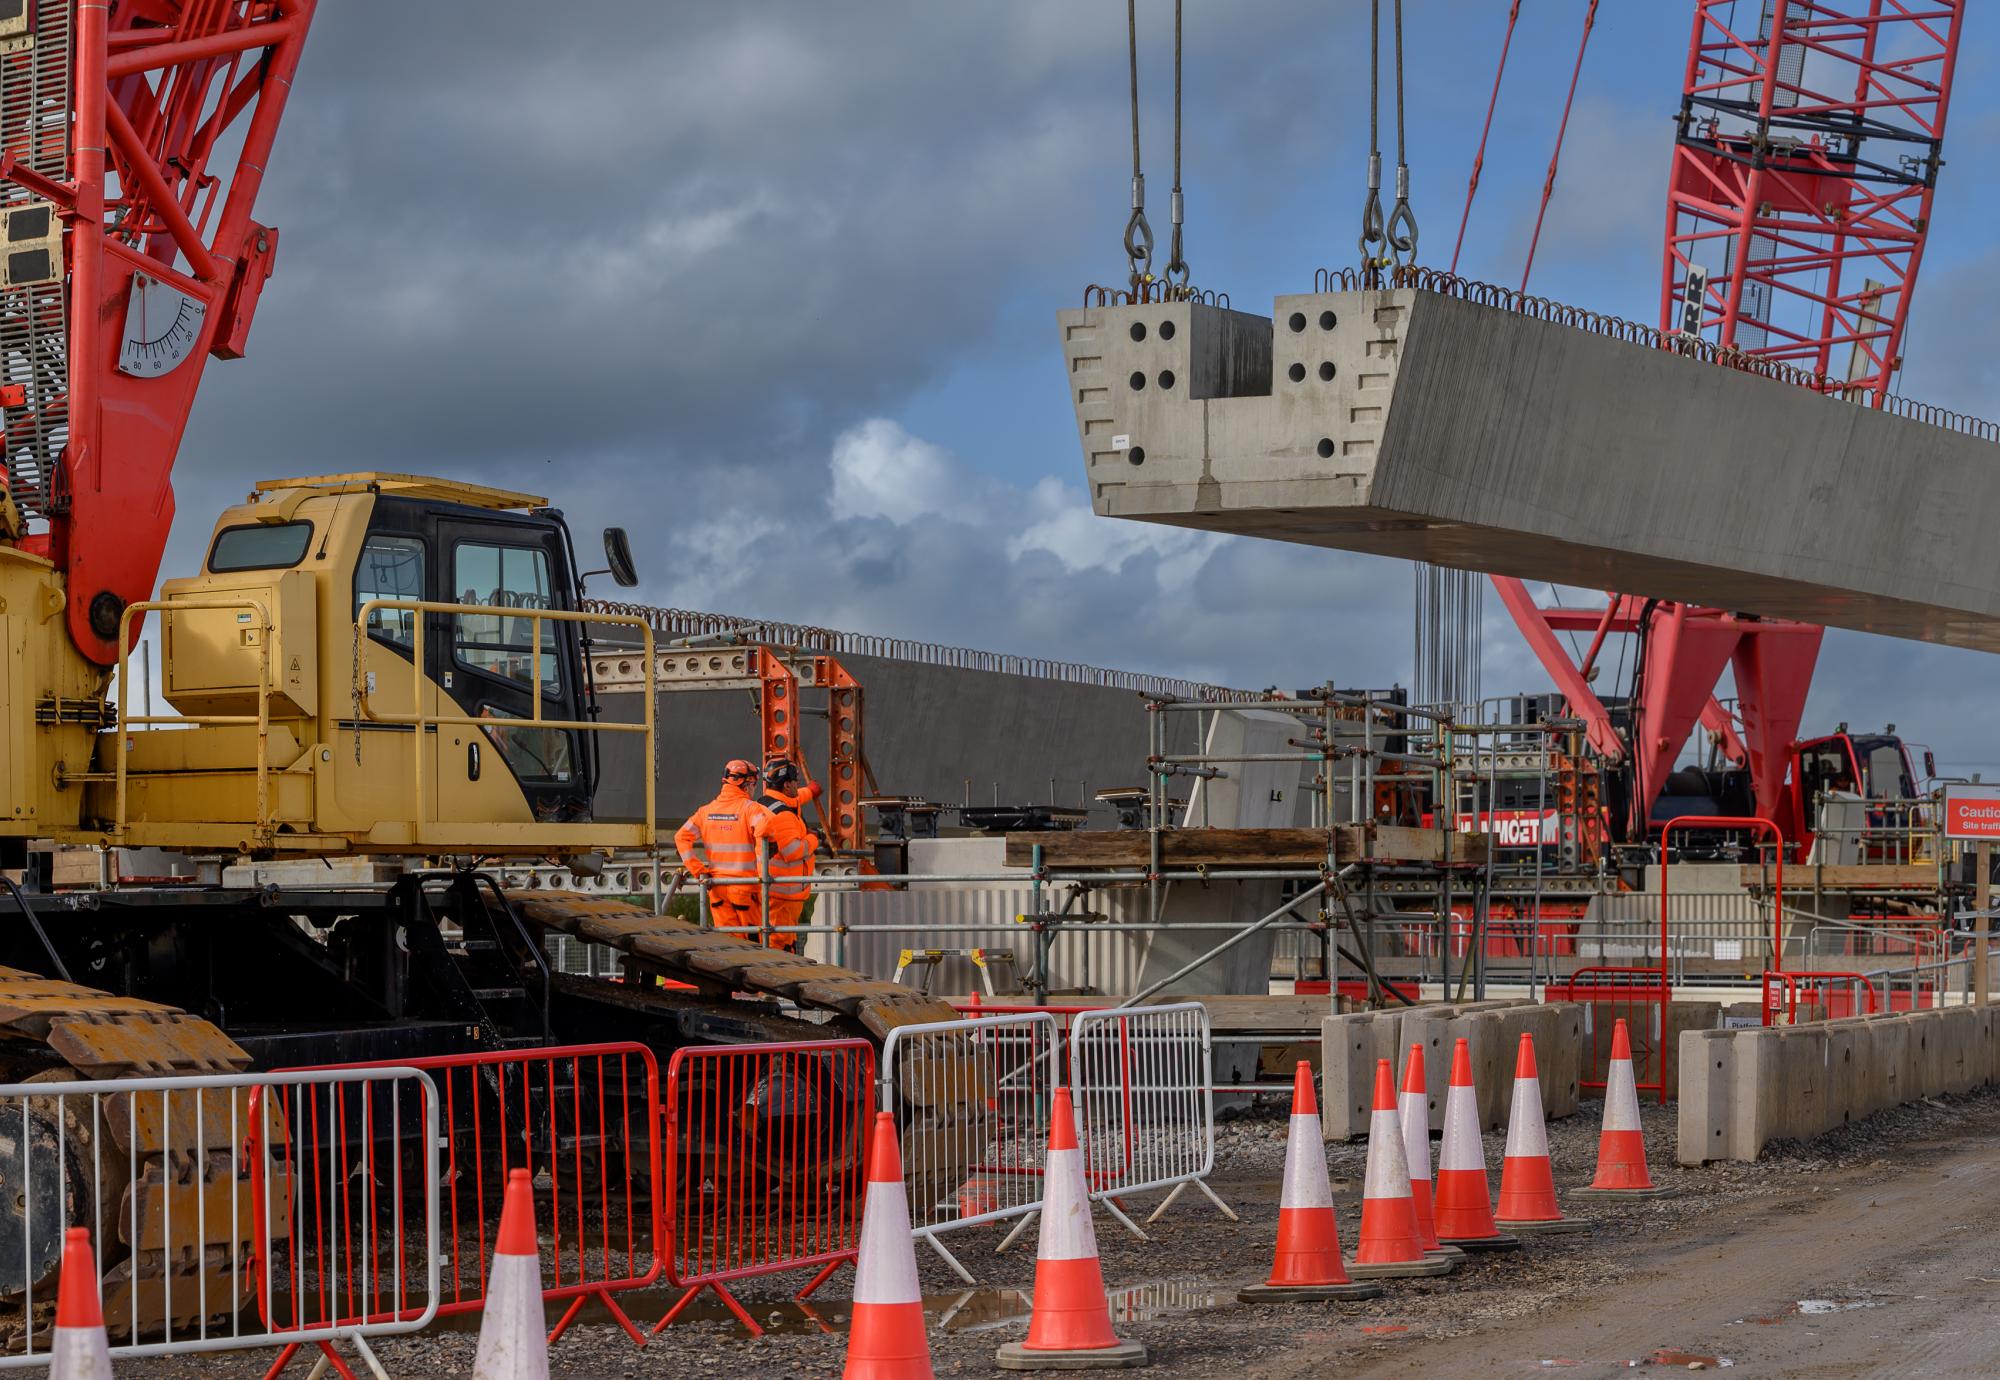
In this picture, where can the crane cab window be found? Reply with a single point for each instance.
(505, 577)
(390, 567)
(259, 546)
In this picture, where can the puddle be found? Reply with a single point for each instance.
(975, 1310)
(966, 1310)
(1686, 1360)
(1810, 1308)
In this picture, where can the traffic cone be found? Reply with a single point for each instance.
(1414, 1111)
(1527, 1182)
(1388, 1246)
(1621, 1146)
(885, 1337)
(1069, 1325)
(513, 1336)
(1307, 1266)
(80, 1351)
(1464, 1213)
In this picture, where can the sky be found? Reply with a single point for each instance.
(773, 285)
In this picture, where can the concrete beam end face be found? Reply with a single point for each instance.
(1707, 1066)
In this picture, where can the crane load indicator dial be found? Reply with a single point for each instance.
(162, 325)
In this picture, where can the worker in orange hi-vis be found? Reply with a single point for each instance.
(725, 829)
(792, 845)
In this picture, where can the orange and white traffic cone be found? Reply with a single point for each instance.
(1388, 1246)
(885, 1337)
(1413, 1109)
(80, 1350)
(1070, 1325)
(1464, 1212)
(513, 1335)
(1527, 1180)
(1621, 1146)
(1307, 1266)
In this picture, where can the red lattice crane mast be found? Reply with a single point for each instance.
(134, 135)
(1805, 161)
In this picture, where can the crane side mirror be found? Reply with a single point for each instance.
(1930, 764)
(618, 555)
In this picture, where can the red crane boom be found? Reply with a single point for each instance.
(145, 199)
(1798, 203)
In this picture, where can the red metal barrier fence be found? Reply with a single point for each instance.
(585, 1120)
(1641, 997)
(766, 1153)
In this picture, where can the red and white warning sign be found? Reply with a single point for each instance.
(1972, 812)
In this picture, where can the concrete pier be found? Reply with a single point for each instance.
(1414, 423)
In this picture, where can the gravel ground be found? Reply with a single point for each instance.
(1177, 1292)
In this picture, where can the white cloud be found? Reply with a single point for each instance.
(881, 471)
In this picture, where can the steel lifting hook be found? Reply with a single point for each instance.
(1402, 228)
(1176, 272)
(1139, 237)
(1374, 232)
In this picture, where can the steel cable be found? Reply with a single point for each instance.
(1138, 234)
(1177, 270)
(1402, 228)
(1374, 232)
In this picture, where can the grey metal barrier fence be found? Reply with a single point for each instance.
(1142, 1079)
(972, 1102)
(227, 1211)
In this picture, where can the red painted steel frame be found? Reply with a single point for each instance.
(1686, 649)
(1803, 175)
(467, 1165)
(745, 1228)
(176, 105)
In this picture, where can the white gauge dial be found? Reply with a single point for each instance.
(162, 325)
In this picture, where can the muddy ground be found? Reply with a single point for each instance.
(1864, 1252)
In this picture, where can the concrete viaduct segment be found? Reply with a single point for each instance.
(1459, 426)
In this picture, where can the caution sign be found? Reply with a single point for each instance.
(1972, 812)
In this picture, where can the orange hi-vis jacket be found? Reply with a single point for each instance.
(792, 843)
(726, 830)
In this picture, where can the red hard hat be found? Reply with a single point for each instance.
(736, 766)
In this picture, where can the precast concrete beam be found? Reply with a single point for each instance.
(1414, 423)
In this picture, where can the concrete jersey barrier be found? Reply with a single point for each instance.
(1350, 1045)
(1740, 1090)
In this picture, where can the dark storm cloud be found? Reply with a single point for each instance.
(664, 261)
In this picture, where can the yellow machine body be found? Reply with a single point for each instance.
(298, 730)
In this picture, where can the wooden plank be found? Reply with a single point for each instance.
(1130, 849)
(1846, 877)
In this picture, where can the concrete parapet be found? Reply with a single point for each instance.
(1350, 1045)
(1742, 1089)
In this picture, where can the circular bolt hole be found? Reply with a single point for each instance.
(1166, 378)
(1327, 320)
(1138, 330)
(1298, 321)
(1138, 380)
(1325, 448)
(1166, 330)
(1298, 373)
(1137, 455)
(1326, 371)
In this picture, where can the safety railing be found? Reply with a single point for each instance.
(1640, 998)
(226, 1208)
(1633, 332)
(253, 614)
(766, 1152)
(1794, 998)
(972, 1098)
(485, 836)
(677, 624)
(1853, 829)
(1143, 1079)
(585, 1120)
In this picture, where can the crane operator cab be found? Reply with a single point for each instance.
(373, 663)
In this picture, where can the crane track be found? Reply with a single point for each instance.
(946, 1105)
(50, 1031)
